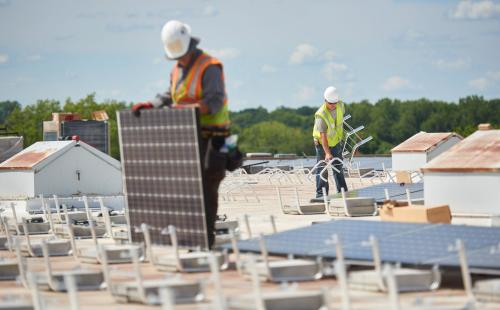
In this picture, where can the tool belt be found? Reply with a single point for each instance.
(216, 160)
(209, 132)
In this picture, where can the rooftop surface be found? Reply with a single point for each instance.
(424, 141)
(39, 154)
(256, 196)
(33, 155)
(479, 152)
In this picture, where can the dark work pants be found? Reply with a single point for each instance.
(214, 169)
(337, 176)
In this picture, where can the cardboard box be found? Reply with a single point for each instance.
(416, 214)
(65, 116)
(100, 116)
(403, 177)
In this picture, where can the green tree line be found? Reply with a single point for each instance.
(389, 121)
(288, 130)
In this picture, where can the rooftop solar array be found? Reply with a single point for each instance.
(162, 174)
(94, 133)
(396, 191)
(407, 243)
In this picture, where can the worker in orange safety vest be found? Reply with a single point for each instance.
(197, 80)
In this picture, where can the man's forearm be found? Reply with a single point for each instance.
(324, 144)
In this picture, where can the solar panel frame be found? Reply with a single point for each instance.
(163, 185)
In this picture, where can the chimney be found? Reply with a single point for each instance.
(485, 126)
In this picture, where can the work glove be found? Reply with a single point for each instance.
(136, 108)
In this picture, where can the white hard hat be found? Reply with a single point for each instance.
(176, 38)
(331, 95)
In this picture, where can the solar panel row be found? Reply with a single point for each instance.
(407, 243)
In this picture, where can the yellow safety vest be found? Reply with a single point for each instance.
(190, 90)
(335, 130)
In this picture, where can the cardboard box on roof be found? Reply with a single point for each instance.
(100, 115)
(403, 177)
(385, 211)
(401, 212)
(65, 116)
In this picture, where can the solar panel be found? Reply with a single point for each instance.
(163, 181)
(407, 243)
(484, 258)
(396, 191)
(94, 133)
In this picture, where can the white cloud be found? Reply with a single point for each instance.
(456, 64)
(348, 90)
(306, 93)
(4, 58)
(268, 68)
(21, 81)
(329, 55)
(332, 70)
(24, 79)
(413, 36)
(494, 75)
(396, 83)
(34, 58)
(302, 52)
(72, 75)
(480, 83)
(468, 9)
(210, 10)
(224, 53)
(485, 82)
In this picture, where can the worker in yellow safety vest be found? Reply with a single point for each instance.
(328, 133)
(197, 80)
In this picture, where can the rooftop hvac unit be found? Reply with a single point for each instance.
(50, 131)
(94, 133)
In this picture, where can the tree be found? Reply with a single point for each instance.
(288, 130)
(276, 137)
(28, 121)
(6, 107)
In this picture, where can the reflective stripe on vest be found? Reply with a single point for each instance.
(190, 90)
(335, 130)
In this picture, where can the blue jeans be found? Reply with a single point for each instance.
(337, 176)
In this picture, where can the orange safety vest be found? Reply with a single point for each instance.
(190, 90)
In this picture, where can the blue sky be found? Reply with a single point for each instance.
(275, 52)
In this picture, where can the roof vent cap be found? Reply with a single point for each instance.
(485, 126)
